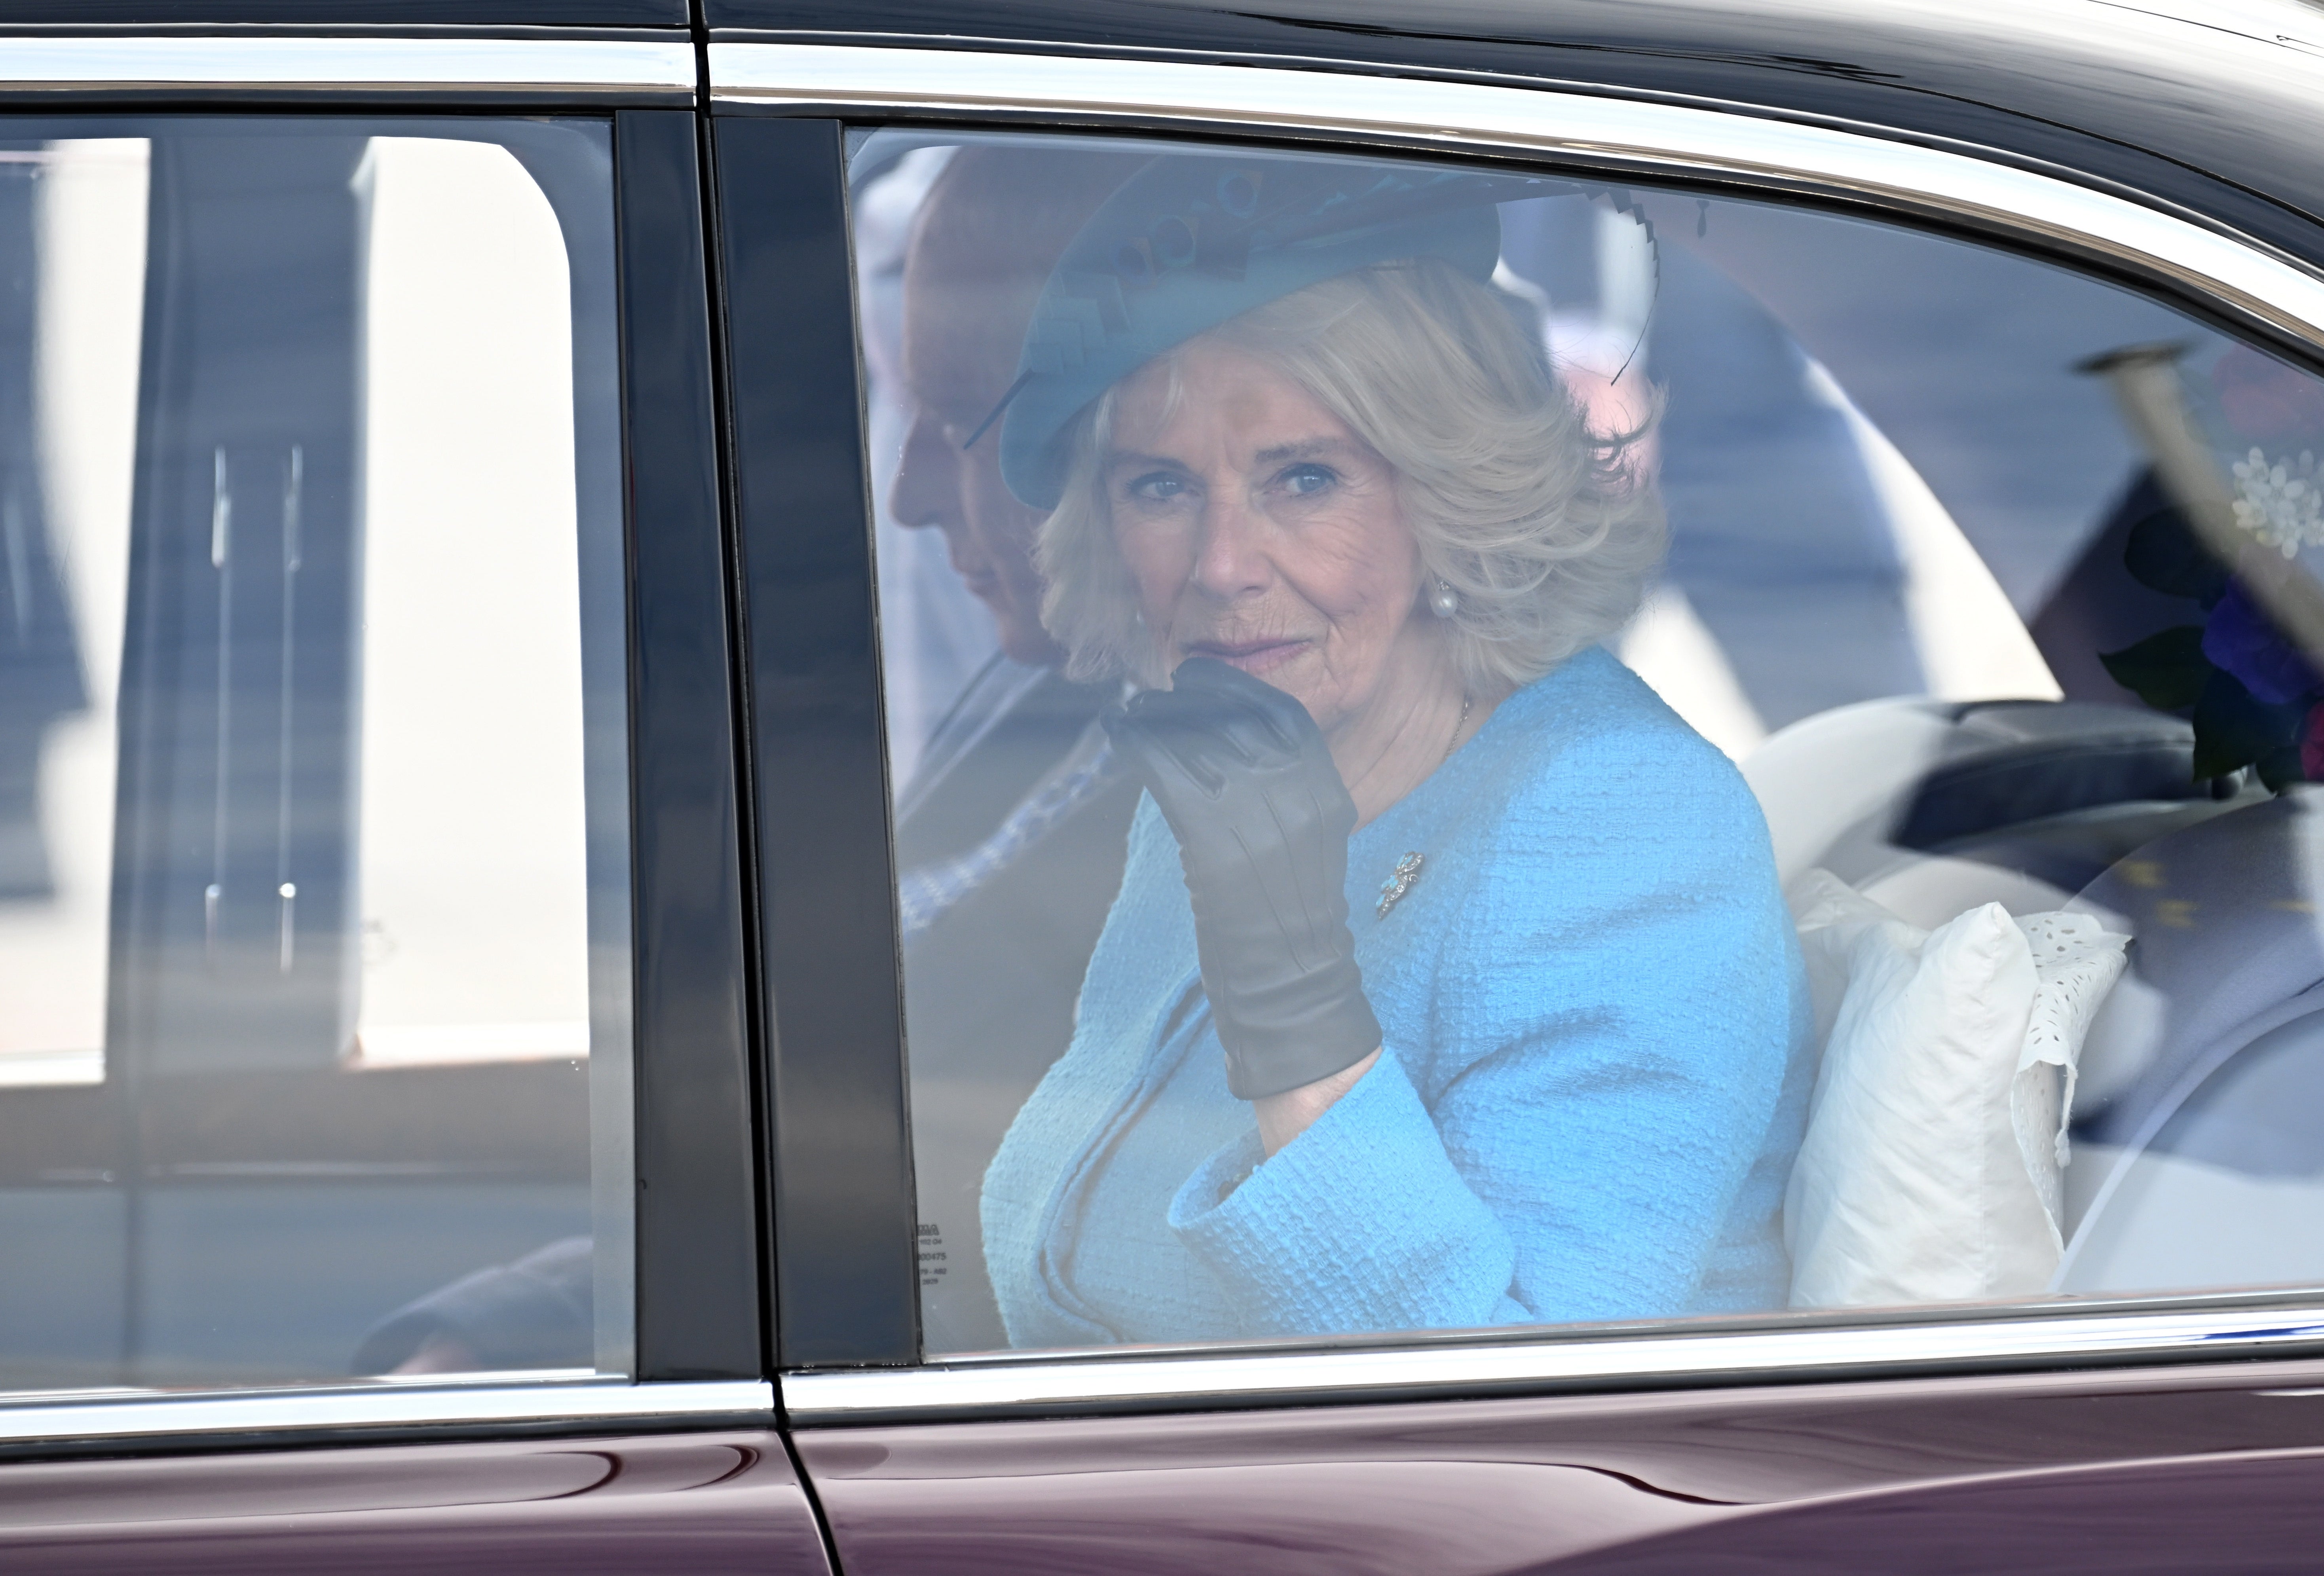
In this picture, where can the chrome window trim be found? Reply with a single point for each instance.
(500, 65)
(131, 1415)
(2243, 277)
(1103, 1382)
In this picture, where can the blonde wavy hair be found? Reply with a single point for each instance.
(1537, 522)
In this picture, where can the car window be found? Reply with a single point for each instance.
(313, 849)
(1479, 750)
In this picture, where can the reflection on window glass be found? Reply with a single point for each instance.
(313, 913)
(472, 843)
(1539, 753)
(75, 228)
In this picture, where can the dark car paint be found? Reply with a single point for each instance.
(718, 1504)
(2213, 1468)
(699, 1266)
(2216, 1469)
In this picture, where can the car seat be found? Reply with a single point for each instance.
(1932, 807)
(2200, 1157)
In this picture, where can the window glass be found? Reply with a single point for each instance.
(313, 847)
(1540, 753)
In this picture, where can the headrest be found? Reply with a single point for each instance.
(2011, 762)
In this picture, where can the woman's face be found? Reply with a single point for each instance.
(1262, 532)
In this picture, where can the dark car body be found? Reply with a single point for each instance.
(781, 1416)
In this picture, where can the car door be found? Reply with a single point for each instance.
(378, 1128)
(1961, 461)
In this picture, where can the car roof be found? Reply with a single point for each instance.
(2218, 104)
(2143, 91)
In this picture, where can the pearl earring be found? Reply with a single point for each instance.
(1443, 600)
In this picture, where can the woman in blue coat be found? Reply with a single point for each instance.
(1449, 984)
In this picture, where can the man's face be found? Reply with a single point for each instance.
(957, 364)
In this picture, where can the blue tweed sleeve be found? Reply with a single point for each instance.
(1593, 1028)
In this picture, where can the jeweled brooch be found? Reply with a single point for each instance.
(1399, 883)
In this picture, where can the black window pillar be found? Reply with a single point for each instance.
(843, 1207)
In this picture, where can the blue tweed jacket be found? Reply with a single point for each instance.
(1595, 1022)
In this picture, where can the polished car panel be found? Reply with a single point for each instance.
(2246, 1513)
(706, 1502)
(1801, 1479)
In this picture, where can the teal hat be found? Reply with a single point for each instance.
(1191, 240)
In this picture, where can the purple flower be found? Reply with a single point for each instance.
(2240, 641)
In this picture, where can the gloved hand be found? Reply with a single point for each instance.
(1244, 776)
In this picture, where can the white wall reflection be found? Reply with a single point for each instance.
(90, 224)
(472, 864)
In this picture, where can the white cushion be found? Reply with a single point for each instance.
(1933, 1163)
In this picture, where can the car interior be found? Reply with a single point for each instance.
(1856, 421)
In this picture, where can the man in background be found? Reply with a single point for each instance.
(1009, 835)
